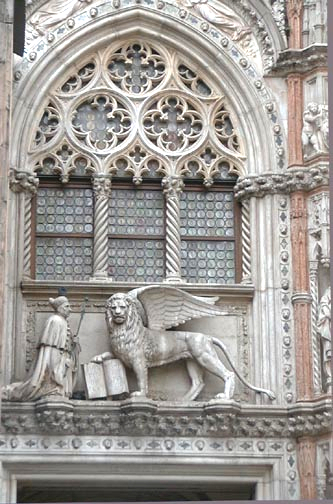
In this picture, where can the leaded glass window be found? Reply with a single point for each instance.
(137, 154)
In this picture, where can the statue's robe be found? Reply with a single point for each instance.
(54, 370)
(55, 12)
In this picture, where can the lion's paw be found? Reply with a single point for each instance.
(224, 396)
(138, 393)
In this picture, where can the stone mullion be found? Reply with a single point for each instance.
(314, 317)
(246, 243)
(27, 235)
(172, 188)
(102, 193)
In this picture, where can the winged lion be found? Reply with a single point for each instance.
(138, 323)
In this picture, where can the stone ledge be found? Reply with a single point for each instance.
(42, 289)
(299, 61)
(141, 417)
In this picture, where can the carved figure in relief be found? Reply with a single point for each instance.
(137, 323)
(324, 331)
(220, 15)
(54, 12)
(315, 129)
(54, 370)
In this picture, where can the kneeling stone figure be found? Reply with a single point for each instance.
(137, 323)
(55, 368)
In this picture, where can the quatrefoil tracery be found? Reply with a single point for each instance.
(173, 123)
(136, 94)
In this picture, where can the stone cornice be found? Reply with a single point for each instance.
(102, 289)
(135, 417)
(286, 182)
(299, 61)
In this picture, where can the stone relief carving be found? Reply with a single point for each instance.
(315, 130)
(54, 12)
(314, 22)
(286, 182)
(279, 14)
(319, 228)
(221, 15)
(225, 19)
(324, 332)
(23, 181)
(319, 255)
(137, 323)
(133, 418)
(54, 371)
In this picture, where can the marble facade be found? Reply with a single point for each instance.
(260, 64)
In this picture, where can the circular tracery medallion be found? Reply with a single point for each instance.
(101, 122)
(173, 123)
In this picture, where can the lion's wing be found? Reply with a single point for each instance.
(168, 307)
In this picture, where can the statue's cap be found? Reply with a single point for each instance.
(55, 303)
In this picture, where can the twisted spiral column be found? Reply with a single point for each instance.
(172, 187)
(27, 235)
(314, 334)
(246, 243)
(102, 192)
(25, 183)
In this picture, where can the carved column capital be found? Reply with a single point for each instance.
(172, 186)
(23, 181)
(102, 186)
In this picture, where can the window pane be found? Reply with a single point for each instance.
(208, 261)
(64, 210)
(63, 258)
(207, 214)
(136, 212)
(136, 260)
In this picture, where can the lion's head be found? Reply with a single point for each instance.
(117, 308)
(125, 324)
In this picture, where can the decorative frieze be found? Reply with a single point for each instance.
(285, 300)
(286, 182)
(134, 418)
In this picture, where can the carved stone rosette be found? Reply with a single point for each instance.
(25, 182)
(102, 193)
(172, 187)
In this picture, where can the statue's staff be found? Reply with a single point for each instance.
(83, 311)
(76, 342)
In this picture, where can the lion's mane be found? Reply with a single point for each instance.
(128, 338)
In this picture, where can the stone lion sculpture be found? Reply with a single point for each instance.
(138, 323)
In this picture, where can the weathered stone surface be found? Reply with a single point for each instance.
(163, 419)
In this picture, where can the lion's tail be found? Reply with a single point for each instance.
(269, 393)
